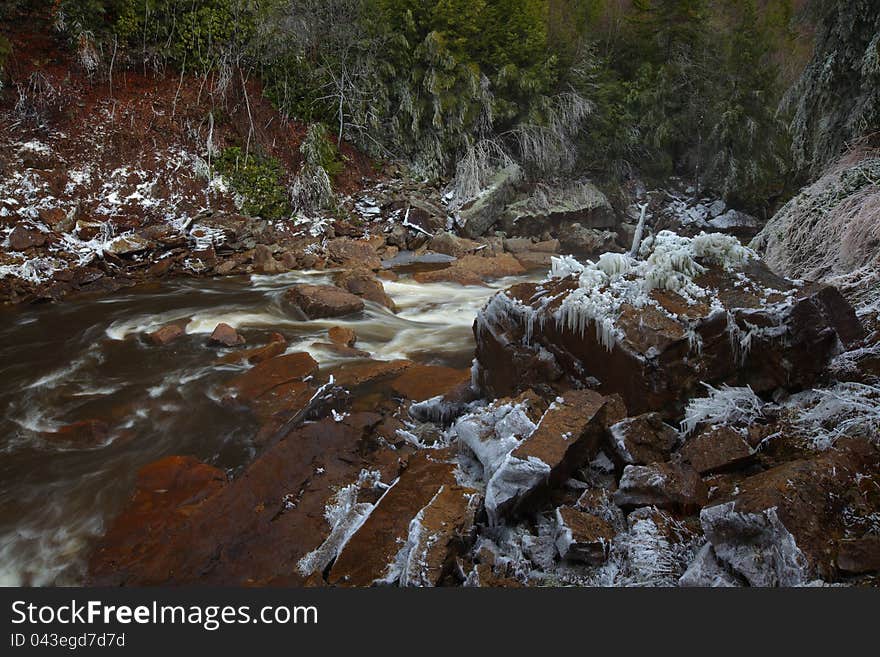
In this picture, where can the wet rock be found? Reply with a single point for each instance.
(665, 485)
(319, 301)
(780, 527)
(452, 245)
(265, 262)
(768, 333)
(84, 434)
(411, 536)
(352, 375)
(354, 253)
(277, 345)
(342, 336)
(287, 398)
(363, 283)
(226, 335)
(715, 449)
(282, 369)
(859, 555)
(566, 438)
(478, 215)
(643, 439)
(420, 382)
(166, 334)
(21, 238)
(166, 492)
(582, 537)
(473, 270)
(252, 531)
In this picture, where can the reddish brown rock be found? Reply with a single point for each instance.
(166, 334)
(452, 245)
(473, 270)
(582, 537)
(531, 260)
(384, 542)
(643, 439)
(21, 238)
(364, 284)
(277, 345)
(226, 335)
(420, 382)
(859, 555)
(343, 336)
(85, 433)
(319, 301)
(52, 216)
(265, 262)
(352, 375)
(715, 449)
(273, 372)
(253, 530)
(566, 438)
(354, 253)
(783, 336)
(166, 493)
(665, 485)
(287, 398)
(780, 527)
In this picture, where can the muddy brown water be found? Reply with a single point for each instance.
(86, 360)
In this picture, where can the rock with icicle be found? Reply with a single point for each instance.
(688, 310)
(794, 523)
(524, 454)
(413, 534)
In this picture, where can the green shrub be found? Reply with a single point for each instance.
(257, 180)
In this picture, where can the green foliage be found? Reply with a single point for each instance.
(837, 98)
(468, 65)
(195, 32)
(5, 52)
(257, 179)
(692, 90)
(320, 151)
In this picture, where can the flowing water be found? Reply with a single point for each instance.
(86, 359)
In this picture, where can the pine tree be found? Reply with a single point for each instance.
(837, 98)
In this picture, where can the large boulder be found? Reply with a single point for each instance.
(553, 208)
(653, 330)
(349, 252)
(477, 216)
(319, 301)
(363, 283)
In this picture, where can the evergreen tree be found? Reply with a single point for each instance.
(837, 98)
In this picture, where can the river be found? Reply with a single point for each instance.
(86, 360)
